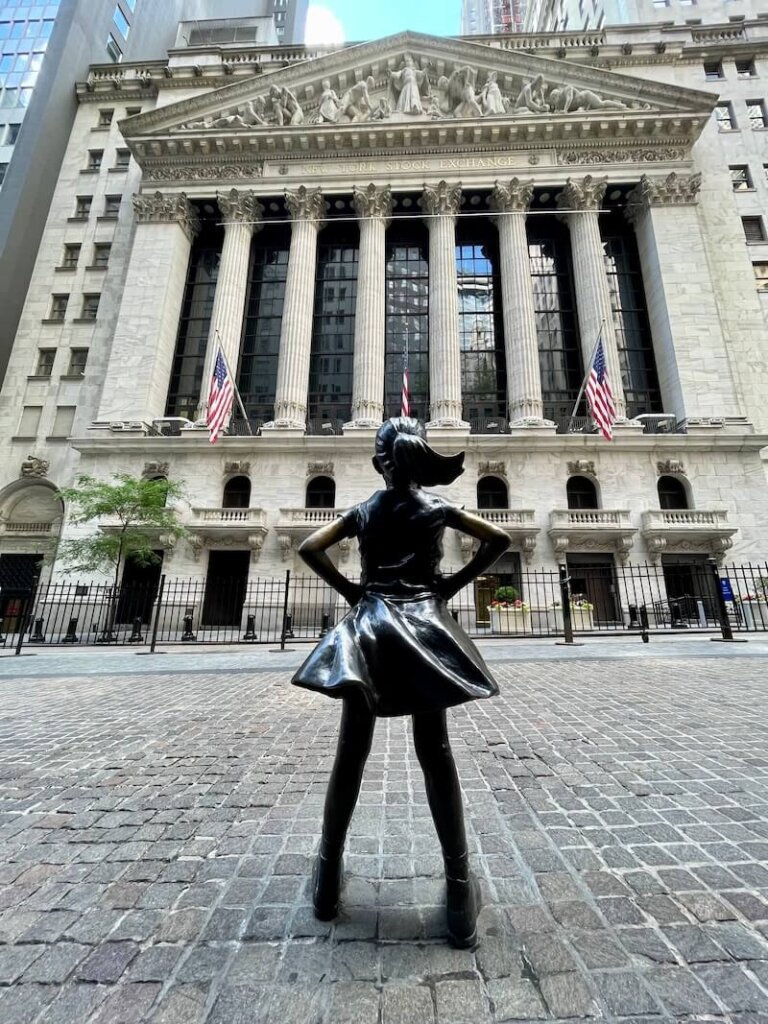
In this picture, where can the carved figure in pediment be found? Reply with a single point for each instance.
(356, 103)
(585, 99)
(491, 100)
(284, 107)
(406, 87)
(468, 105)
(34, 466)
(329, 108)
(245, 116)
(533, 97)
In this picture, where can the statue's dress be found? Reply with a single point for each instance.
(399, 647)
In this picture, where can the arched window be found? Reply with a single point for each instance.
(672, 493)
(492, 493)
(581, 492)
(321, 492)
(237, 492)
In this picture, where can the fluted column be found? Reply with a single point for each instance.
(242, 214)
(580, 203)
(374, 206)
(141, 353)
(306, 207)
(521, 344)
(441, 202)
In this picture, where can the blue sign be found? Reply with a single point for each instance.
(725, 590)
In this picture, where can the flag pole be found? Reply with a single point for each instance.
(586, 375)
(234, 382)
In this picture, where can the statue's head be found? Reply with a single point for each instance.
(408, 60)
(326, 83)
(492, 76)
(403, 456)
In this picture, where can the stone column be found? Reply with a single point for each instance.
(242, 215)
(520, 339)
(695, 380)
(442, 203)
(373, 206)
(580, 203)
(306, 207)
(141, 355)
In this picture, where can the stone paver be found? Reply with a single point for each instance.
(157, 832)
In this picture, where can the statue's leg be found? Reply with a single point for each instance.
(354, 745)
(433, 749)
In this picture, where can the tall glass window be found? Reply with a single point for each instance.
(333, 336)
(194, 324)
(630, 318)
(556, 324)
(481, 333)
(407, 322)
(257, 375)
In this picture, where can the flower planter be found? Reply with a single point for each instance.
(755, 613)
(581, 619)
(510, 620)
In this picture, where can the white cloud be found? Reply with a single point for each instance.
(323, 27)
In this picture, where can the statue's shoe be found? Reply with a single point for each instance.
(462, 906)
(327, 879)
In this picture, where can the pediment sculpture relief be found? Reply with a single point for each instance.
(411, 92)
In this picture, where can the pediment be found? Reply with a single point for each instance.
(418, 91)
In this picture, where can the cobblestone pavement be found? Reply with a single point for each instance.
(157, 829)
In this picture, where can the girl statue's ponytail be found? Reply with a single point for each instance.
(401, 448)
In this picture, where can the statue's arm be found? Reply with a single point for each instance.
(313, 551)
(493, 543)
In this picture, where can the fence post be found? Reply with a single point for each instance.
(160, 592)
(722, 610)
(565, 601)
(284, 630)
(29, 604)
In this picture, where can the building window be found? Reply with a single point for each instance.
(112, 207)
(581, 493)
(45, 360)
(78, 357)
(753, 229)
(756, 114)
(132, 111)
(3, 170)
(83, 207)
(30, 420)
(58, 307)
(237, 493)
(95, 158)
(90, 309)
(713, 71)
(321, 493)
(257, 375)
(724, 117)
(121, 22)
(745, 69)
(481, 333)
(406, 332)
(672, 493)
(105, 118)
(62, 423)
(101, 251)
(492, 493)
(13, 134)
(333, 333)
(761, 276)
(71, 256)
(122, 159)
(740, 178)
(113, 49)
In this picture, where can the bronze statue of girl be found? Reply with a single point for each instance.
(398, 651)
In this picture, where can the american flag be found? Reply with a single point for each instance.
(220, 399)
(599, 395)
(405, 401)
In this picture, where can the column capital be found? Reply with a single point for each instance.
(241, 208)
(167, 208)
(514, 197)
(674, 190)
(306, 204)
(442, 199)
(372, 201)
(586, 194)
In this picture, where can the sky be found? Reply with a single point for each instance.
(337, 21)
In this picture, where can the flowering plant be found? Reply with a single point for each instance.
(761, 591)
(582, 603)
(509, 598)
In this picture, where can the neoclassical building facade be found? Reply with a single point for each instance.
(480, 211)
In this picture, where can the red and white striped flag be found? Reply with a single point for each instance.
(220, 399)
(405, 401)
(600, 396)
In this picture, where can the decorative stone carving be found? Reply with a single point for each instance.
(329, 109)
(528, 546)
(345, 548)
(238, 468)
(34, 466)
(491, 100)
(584, 195)
(372, 201)
(162, 208)
(656, 547)
(670, 466)
(154, 469)
(319, 469)
(441, 199)
(494, 468)
(624, 545)
(539, 97)
(629, 154)
(247, 115)
(533, 96)
(357, 105)
(168, 541)
(196, 543)
(674, 190)
(255, 542)
(406, 87)
(581, 466)
(283, 107)
(512, 198)
(468, 546)
(206, 172)
(305, 204)
(240, 206)
(285, 542)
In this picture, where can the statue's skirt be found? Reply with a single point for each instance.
(402, 655)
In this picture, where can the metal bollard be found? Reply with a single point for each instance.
(188, 635)
(38, 637)
(71, 636)
(288, 631)
(136, 636)
(250, 629)
(565, 598)
(325, 624)
(634, 621)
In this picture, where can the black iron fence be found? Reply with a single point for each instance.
(576, 599)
